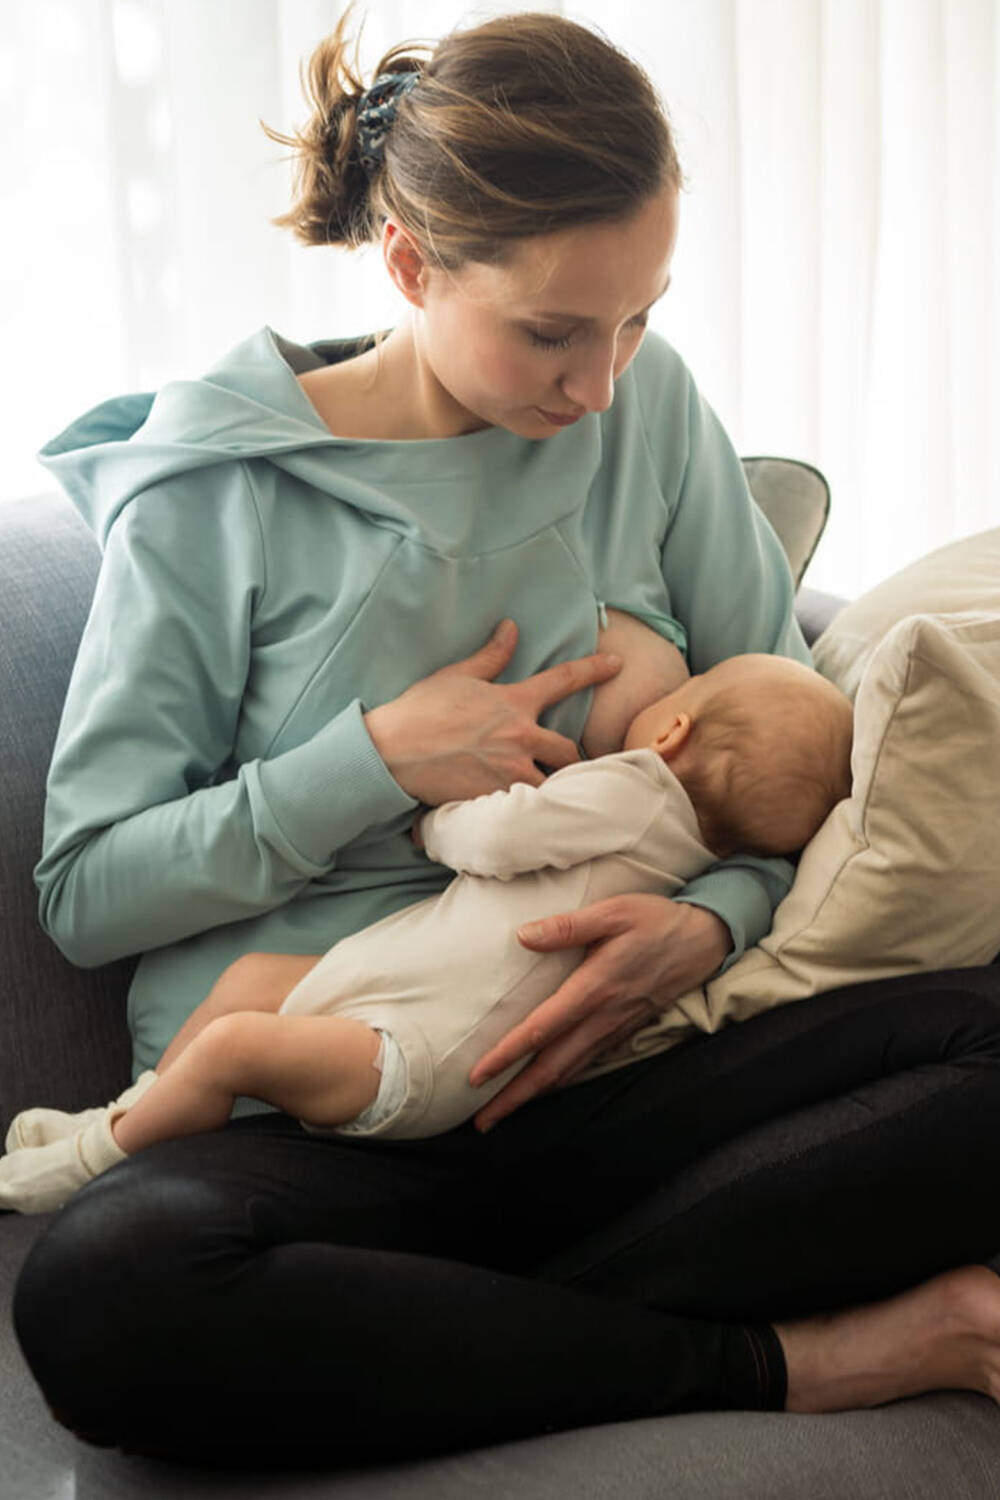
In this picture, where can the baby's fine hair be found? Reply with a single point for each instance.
(765, 783)
(524, 125)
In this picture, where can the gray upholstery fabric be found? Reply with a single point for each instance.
(796, 500)
(814, 610)
(63, 1041)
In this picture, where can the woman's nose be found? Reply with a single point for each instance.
(590, 383)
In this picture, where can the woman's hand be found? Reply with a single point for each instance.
(458, 734)
(644, 952)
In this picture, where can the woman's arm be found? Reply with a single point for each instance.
(149, 836)
(729, 581)
(152, 832)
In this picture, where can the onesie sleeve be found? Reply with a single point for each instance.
(152, 833)
(730, 584)
(585, 810)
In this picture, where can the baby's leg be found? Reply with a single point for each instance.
(257, 981)
(318, 1068)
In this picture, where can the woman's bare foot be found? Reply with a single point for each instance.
(942, 1335)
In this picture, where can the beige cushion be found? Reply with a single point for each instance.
(964, 575)
(904, 875)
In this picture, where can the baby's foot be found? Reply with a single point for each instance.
(38, 1127)
(38, 1179)
(941, 1335)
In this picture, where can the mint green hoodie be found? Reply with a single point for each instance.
(213, 788)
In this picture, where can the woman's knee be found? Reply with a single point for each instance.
(99, 1283)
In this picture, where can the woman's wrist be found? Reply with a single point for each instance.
(713, 936)
(379, 723)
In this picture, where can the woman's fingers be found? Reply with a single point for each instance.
(490, 658)
(582, 992)
(566, 677)
(554, 750)
(605, 978)
(565, 1058)
(575, 929)
(547, 1022)
(645, 951)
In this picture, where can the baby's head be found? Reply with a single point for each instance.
(761, 745)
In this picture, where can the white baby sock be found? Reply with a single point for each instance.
(37, 1127)
(38, 1179)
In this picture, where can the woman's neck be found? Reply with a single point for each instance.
(388, 393)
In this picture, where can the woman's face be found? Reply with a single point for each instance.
(549, 333)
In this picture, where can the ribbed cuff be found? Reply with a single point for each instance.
(744, 898)
(324, 793)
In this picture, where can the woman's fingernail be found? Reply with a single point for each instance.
(613, 658)
(531, 932)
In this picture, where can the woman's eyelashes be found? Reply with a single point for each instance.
(542, 342)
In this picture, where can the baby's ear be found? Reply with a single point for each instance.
(673, 736)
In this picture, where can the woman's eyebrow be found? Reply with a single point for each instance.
(579, 318)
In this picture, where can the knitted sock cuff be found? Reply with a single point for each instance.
(97, 1147)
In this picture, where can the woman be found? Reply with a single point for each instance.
(294, 547)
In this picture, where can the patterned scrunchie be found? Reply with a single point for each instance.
(376, 112)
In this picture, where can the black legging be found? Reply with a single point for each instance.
(616, 1249)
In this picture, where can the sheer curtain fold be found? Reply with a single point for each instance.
(837, 280)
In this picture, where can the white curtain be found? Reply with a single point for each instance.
(837, 279)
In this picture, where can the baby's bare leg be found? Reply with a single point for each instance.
(257, 981)
(318, 1068)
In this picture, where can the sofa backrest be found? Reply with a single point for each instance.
(63, 1037)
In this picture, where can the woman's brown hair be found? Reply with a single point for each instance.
(526, 124)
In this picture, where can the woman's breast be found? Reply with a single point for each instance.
(652, 668)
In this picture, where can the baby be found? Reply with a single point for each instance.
(378, 1036)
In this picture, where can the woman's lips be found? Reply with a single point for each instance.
(554, 417)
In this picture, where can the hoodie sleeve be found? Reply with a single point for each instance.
(729, 582)
(149, 837)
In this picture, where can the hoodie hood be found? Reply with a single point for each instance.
(250, 406)
(242, 407)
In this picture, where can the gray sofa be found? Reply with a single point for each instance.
(63, 1042)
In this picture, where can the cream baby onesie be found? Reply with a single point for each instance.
(447, 977)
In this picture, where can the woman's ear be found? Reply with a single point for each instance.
(673, 736)
(404, 262)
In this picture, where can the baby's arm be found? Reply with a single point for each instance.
(580, 812)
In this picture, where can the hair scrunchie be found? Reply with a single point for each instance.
(376, 112)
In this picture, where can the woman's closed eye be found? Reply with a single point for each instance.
(542, 342)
